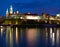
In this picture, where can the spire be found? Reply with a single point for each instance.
(7, 13)
(11, 9)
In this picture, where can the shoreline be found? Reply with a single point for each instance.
(32, 25)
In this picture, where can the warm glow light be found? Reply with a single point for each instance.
(11, 9)
(1, 30)
(16, 35)
(21, 18)
(31, 36)
(32, 17)
(11, 38)
(51, 18)
(16, 22)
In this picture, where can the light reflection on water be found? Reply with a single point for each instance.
(16, 35)
(29, 37)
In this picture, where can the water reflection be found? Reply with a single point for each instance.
(9, 37)
(57, 37)
(29, 37)
(52, 36)
(1, 31)
(51, 33)
(16, 35)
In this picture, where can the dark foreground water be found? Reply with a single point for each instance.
(29, 37)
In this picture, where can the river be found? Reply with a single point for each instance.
(29, 37)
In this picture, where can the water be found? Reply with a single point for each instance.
(29, 37)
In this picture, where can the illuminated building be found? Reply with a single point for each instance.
(58, 18)
(11, 9)
(44, 18)
(30, 16)
(44, 15)
(58, 15)
(11, 12)
(16, 15)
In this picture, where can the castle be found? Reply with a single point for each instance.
(10, 13)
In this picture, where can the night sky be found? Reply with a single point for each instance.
(34, 6)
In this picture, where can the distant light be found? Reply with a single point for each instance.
(51, 18)
(21, 17)
(58, 15)
(17, 12)
(29, 13)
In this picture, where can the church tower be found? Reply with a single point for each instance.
(7, 13)
(11, 9)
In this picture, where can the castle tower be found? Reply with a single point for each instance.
(7, 13)
(11, 9)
